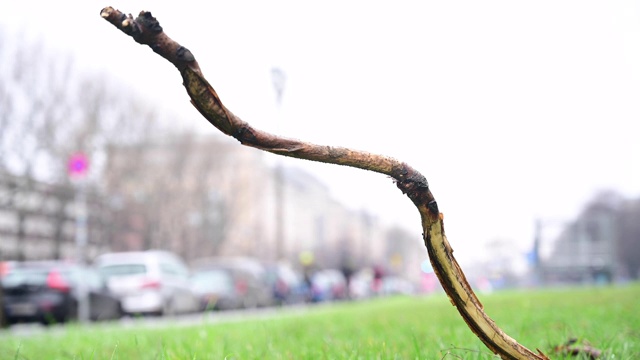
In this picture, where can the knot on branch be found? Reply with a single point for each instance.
(149, 22)
(184, 54)
(413, 184)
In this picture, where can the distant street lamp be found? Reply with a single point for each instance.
(278, 77)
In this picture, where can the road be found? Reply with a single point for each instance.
(209, 317)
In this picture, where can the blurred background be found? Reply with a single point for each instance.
(521, 116)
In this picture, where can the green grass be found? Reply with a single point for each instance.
(392, 328)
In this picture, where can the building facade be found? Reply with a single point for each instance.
(217, 198)
(589, 249)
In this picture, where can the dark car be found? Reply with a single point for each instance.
(47, 292)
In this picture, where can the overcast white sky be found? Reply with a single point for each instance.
(512, 110)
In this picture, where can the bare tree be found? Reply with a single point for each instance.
(146, 30)
(51, 110)
(180, 198)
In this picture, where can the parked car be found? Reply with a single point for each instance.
(222, 288)
(47, 292)
(217, 289)
(248, 276)
(327, 285)
(149, 282)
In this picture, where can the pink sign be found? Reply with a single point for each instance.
(78, 165)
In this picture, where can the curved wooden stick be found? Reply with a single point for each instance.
(145, 29)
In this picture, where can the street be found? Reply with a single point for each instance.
(200, 318)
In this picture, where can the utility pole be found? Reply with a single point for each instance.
(278, 77)
(77, 169)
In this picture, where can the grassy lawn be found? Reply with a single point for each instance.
(391, 328)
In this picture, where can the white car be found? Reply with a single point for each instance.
(149, 282)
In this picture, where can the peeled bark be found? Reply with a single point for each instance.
(145, 29)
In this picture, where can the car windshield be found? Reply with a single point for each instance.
(122, 270)
(18, 276)
(211, 281)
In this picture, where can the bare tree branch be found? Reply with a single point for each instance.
(145, 29)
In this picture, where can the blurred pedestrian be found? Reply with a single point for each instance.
(378, 275)
(347, 271)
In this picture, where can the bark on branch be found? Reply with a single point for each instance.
(145, 29)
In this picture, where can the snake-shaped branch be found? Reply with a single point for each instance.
(145, 29)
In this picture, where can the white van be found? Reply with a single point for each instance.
(149, 282)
